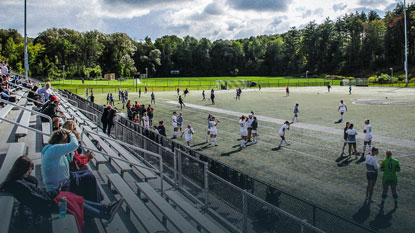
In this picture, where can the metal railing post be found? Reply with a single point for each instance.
(244, 212)
(175, 166)
(206, 181)
(161, 176)
(179, 167)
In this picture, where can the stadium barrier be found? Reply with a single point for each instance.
(200, 175)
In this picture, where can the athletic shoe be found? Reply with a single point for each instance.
(216, 144)
(114, 209)
(288, 144)
(249, 140)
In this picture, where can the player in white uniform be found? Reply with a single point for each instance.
(249, 124)
(244, 131)
(342, 109)
(368, 138)
(208, 132)
(213, 131)
(351, 140)
(189, 131)
(284, 128)
(146, 121)
(174, 124)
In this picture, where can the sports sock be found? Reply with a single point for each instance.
(370, 149)
(214, 140)
(293, 119)
(281, 143)
(343, 149)
(364, 149)
(286, 142)
(207, 137)
(341, 117)
(296, 119)
(242, 143)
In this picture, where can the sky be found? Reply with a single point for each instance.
(212, 19)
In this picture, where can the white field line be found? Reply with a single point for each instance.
(382, 139)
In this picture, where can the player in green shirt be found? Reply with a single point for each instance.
(390, 167)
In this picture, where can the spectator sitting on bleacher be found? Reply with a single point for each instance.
(55, 168)
(52, 111)
(77, 162)
(4, 69)
(27, 191)
(32, 94)
(45, 92)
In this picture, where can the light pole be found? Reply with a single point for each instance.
(406, 45)
(26, 60)
(391, 69)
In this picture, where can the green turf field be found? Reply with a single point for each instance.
(307, 168)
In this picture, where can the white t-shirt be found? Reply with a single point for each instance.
(249, 122)
(146, 121)
(371, 164)
(4, 70)
(368, 129)
(45, 92)
(212, 127)
(342, 107)
(174, 121)
(188, 132)
(282, 130)
(243, 126)
(351, 135)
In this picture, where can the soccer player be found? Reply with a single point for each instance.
(342, 109)
(287, 91)
(153, 98)
(345, 137)
(284, 128)
(213, 131)
(244, 131)
(174, 124)
(180, 121)
(146, 120)
(350, 89)
(389, 167)
(372, 168)
(178, 91)
(212, 97)
(189, 131)
(181, 102)
(259, 86)
(328, 87)
(237, 95)
(351, 140)
(203, 95)
(296, 111)
(208, 132)
(139, 92)
(368, 137)
(254, 126)
(249, 124)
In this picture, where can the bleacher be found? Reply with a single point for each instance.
(141, 173)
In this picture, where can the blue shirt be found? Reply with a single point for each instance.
(55, 165)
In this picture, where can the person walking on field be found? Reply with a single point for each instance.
(284, 128)
(181, 102)
(189, 131)
(342, 109)
(212, 97)
(287, 91)
(350, 89)
(296, 111)
(203, 95)
(153, 98)
(139, 92)
(372, 168)
(328, 87)
(389, 167)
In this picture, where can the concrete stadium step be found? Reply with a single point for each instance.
(99, 158)
(64, 225)
(24, 120)
(15, 151)
(169, 213)
(7, 204)
(135, 205)
(46, 129)
(202, 221)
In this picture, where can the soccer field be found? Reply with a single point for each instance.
(307, 168)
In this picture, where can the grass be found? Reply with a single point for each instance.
(307, 168)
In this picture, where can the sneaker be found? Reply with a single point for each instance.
(216, 144)
(114, 209)
(249, 140)
(288, 144)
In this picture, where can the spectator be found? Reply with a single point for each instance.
(108, 98)
(92, 98)
(112, 100)
(153, 98)
(4, 70)
(129, 113)
(104, 118)
(45, 92)
(161, 128)
(110, 119)
(150, 114)
(55, 168)
(52, 111)
(27, 191)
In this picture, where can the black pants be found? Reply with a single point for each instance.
(104, 126)
(110, 124)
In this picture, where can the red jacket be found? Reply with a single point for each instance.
(75, 206)
(78, 160)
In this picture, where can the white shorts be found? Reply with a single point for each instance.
(174, 125)
(342, 111)
(281, 134)
(368, 138)
(188, 139)
(244, 133)
(213, 131)
(254, 131)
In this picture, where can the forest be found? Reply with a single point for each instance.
(357, 44)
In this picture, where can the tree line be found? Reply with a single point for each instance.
(356, 44)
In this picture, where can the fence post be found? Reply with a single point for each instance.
(144, 147)
(206, 190)
(244, 212)
(180, 167)
(175, 166)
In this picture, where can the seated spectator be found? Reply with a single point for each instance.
(52, 111)
(27, 191)
(45, 92)
(32, 94)
(77, 162)
(51, 99)
(55, 168)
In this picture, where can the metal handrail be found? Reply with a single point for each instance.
(136, 148)
(32, 111)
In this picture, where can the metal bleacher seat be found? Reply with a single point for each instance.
(24, 120)
(146, 218)
(64, 225)
(6, 203)
(15, 151)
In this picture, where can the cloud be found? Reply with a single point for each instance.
(372, 3)
(260, 5)
(339, 7)
(318, 12)
(213, 9)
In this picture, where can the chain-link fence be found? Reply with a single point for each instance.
(251, 205)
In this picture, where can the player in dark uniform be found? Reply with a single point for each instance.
(345, 138)
(389, 167)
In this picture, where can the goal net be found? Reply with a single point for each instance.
(231, 84)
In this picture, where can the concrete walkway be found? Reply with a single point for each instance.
(381, 139)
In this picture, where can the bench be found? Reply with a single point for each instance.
(45, 129)
(148, 175)
(135, 205)
(193, 212)
(24, 120)
(76, 117)
(6, 203)
(124, 167)
(88, 122)
(5, 111)
(15, 151)
(164, 207)
(64, 225)
(99, 158)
